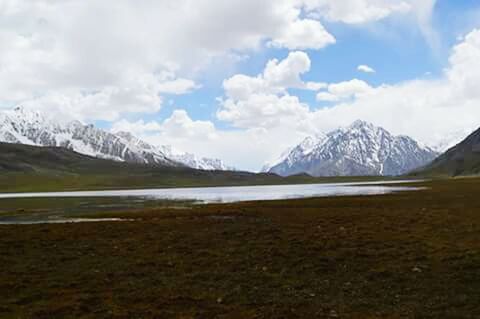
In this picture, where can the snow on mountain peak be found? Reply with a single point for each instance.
(25, 126)
(358, 149)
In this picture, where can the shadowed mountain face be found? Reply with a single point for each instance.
(17, 158)
(462, 159)
(360, 149)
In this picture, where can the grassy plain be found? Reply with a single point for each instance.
(405, 255)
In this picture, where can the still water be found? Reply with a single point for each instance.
(235, 193)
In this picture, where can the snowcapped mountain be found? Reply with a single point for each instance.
(294, 154)
(193, 161)
(186, 159)
(23, 126)
(360, 149)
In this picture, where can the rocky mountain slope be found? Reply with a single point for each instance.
(23, 126)
(462, 159)
(360, 149)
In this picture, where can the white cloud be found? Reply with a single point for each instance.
(263, 101)
(96, 105)
(60, 48)
(350, 88)
(138, 93)
(345, 90)
(181, 126)
(138, 128)
(276, 78)
(357, 11)
(280, 75)
(315, 86)
(423, 10)
(263, 110)
(327, 97)
(177, 86)
(365, 68)
(304, 34)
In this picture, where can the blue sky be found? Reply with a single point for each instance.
(242, 80)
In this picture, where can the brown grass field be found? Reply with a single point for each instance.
(405, 255)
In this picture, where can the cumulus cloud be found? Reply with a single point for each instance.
(276, 78)
(345, 90)
(178, 126)
(263, 110)
(304, 34)
(365, 68)
(263, 100)
(138, 93)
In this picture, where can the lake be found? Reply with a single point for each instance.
(234, 193)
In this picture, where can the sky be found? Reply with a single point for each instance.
(243, 80)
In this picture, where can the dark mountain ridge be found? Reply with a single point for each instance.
(460, 160)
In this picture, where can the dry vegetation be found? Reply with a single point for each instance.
(408, 255)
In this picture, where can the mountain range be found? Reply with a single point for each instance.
(356, 150)
(22, 126)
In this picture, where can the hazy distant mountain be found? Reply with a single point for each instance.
(462, 159)
(187, 159)
(360, 149)
(22, 126)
